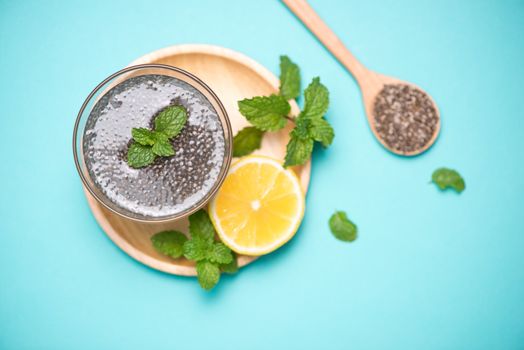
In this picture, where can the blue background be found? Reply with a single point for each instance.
(430, 269)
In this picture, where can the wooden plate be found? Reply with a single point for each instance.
(232, 76)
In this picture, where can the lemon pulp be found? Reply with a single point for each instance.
(259, 206)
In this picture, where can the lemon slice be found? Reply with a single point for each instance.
(259, 206)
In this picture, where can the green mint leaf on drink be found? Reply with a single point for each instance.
(171, 120)
(266, 113)
(342, 228)
(143, 136)
(316, 100)
(169, 243)
(220, 253)
(289, 78)
(321, 131)
(232, 267)
(162, 146)
(446, 178)
(148, 144)
(163, 149)
(208, 274)
(246, 141)
(298, 150)
(159, 136)
(139, 156)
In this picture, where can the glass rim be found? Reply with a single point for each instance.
(225, 122)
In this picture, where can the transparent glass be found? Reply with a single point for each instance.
(118, 78)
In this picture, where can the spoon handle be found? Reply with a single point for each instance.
(325, 35)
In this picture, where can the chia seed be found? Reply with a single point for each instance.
(405, 117)
(171, 184)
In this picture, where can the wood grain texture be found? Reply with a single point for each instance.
(232, 76)
(371, 83)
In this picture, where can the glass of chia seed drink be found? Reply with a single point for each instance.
(171, 187)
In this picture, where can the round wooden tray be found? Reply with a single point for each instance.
(232, 76)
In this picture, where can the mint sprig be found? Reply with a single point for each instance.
(148, 144)
(211, 257)
(271, 113)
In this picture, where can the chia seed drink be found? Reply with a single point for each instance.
(170, 185)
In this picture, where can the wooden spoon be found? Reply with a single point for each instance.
(371, 83)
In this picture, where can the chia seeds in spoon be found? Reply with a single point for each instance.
(405, 118)
(171, 184)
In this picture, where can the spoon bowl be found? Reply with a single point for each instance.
(371, 86)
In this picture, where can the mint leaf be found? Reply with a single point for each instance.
(208, 274)
(220, 253)
(232, 267)
(163, 148)
(321, 131)
(448, 178)
(171, 120)
(298, 150)
(200, 226)
(302, 126)
(159, 136)
(143, 136)
(197, 248)
(342, 228)
(289, 78)
(246, 141)
(169, 243)
(139, 156)
(267, 113)
(316, 100)
(211, 257)
(149, 144)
